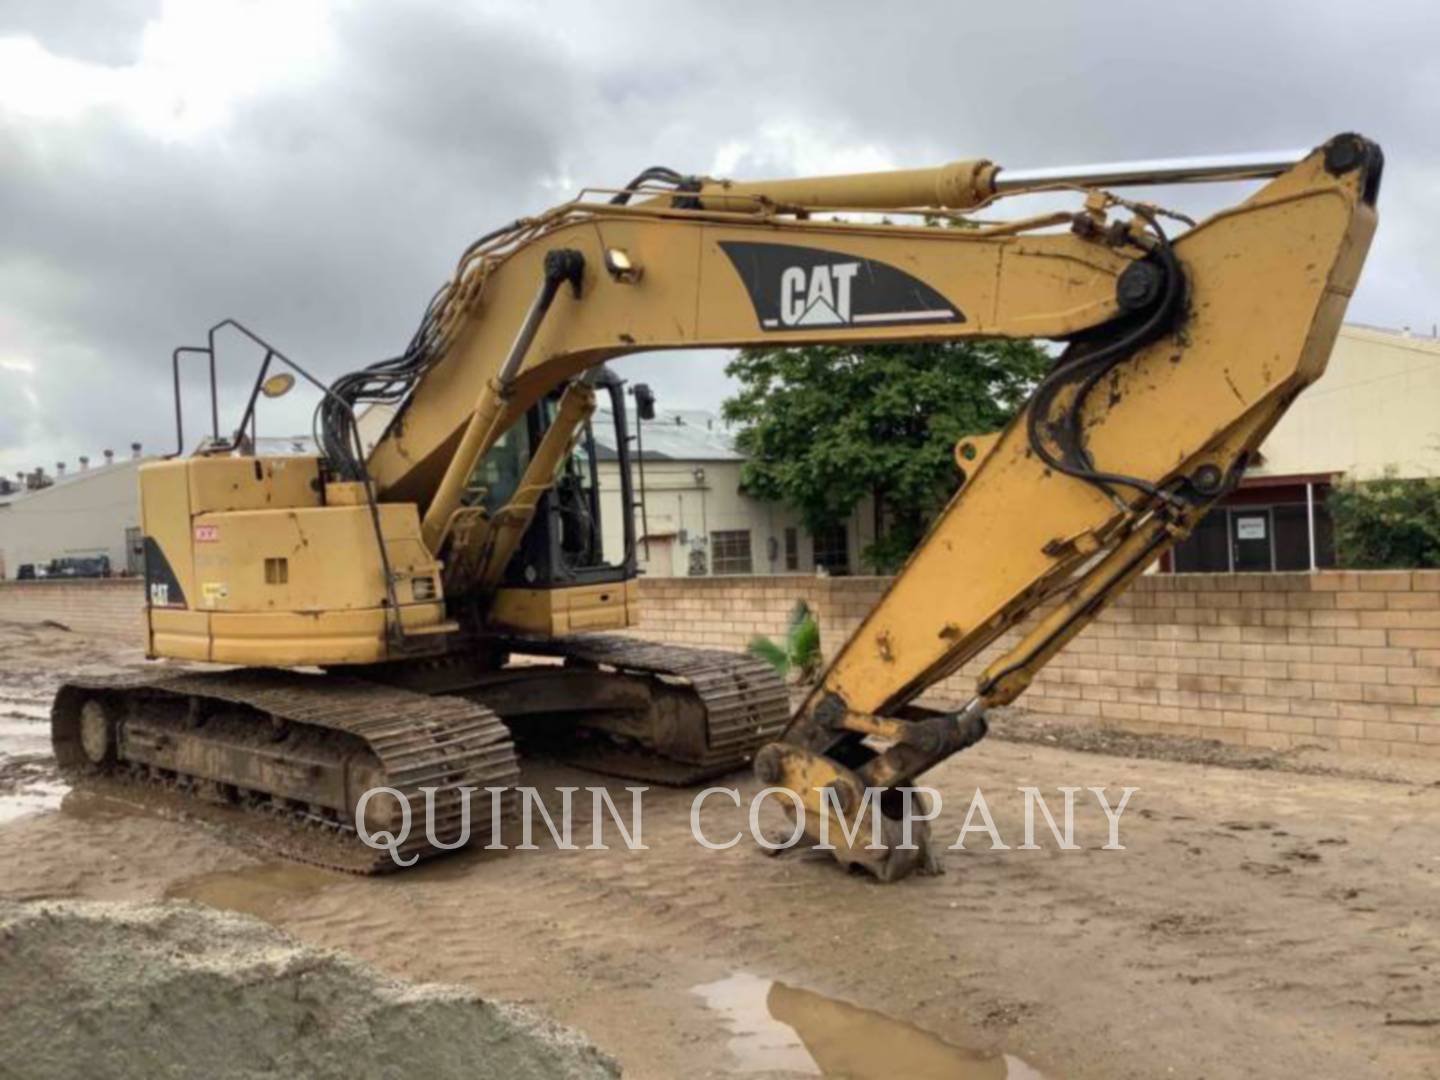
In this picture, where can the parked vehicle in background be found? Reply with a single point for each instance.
(82, 566)
(25, 572)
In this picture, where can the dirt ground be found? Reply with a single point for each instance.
(1271, 915)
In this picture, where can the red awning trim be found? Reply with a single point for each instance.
(1289, 480)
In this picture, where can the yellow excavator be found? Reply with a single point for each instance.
(396, 610)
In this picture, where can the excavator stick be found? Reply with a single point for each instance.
(1119, 453)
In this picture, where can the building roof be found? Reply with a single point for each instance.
(79, 476)
(1404, 334)
(267, 446)
(674, 435)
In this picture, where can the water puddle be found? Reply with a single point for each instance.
(262, 890)
(779, 1028)
(36, 797)
(22, 738)
(28, 784)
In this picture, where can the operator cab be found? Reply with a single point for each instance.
(565, 544)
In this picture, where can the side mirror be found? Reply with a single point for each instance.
(644, 401)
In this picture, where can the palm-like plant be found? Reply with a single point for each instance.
(798, 658)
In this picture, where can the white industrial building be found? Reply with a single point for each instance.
(90, 511)
(86, 512)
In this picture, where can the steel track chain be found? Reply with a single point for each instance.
(746, 701)
(418, 740)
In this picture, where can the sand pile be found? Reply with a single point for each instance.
(163, 990)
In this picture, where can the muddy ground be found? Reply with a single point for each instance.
(1271, 915)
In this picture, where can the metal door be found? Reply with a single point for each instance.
(134, 552)
(1252, 539)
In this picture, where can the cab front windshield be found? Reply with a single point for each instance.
(496, 480)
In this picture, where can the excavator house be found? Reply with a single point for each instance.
(398, 615)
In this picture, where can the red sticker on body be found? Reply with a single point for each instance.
(207, 534)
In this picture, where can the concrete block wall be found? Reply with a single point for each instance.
(1349, 661)
(104, 607)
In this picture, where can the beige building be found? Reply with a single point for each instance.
(1377, 407)
(1375, 410)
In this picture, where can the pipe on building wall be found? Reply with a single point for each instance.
(1310, 521)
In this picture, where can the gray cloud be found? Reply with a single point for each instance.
(105, 33)
(325, 214)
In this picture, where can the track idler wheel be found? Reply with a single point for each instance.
(97, 732)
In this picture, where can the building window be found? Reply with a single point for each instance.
(1207, 551)
(730, 552)
(792, 549)
(1292, 537)
(832, 550)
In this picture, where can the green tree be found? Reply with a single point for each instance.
(1387, 524)
(823, 426)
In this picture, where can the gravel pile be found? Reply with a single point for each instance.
(165, 990)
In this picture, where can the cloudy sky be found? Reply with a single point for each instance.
(314, 168)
